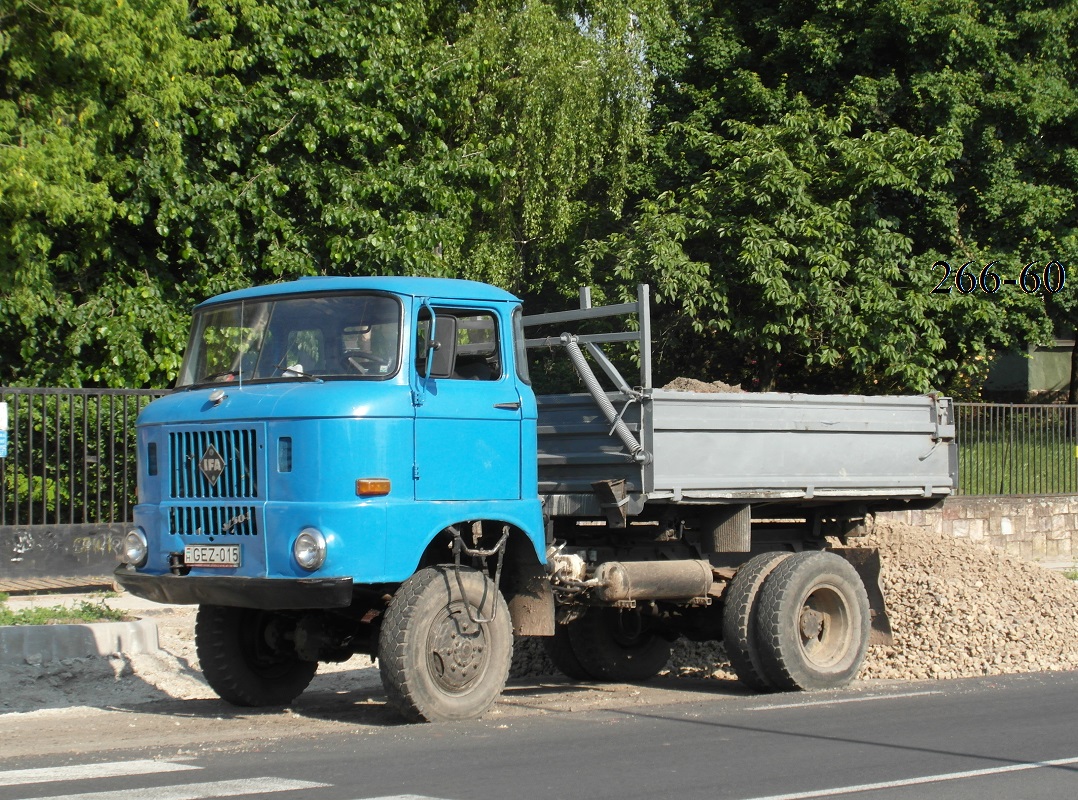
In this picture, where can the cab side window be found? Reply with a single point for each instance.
(466, 345)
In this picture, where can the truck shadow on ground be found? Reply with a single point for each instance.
(525, 697)
(366, 704)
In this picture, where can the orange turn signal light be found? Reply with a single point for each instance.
(372, 487)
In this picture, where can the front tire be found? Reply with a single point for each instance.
(436, 663)
(812, 623)
(560, 650)
(245, 658)
(617, 646)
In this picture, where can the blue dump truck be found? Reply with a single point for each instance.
(360, 465)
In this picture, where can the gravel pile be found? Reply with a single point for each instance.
(960, 610)
(694, 385)
(957, 610)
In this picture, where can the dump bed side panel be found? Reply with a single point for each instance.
(753, 447)
(798, 446)
(577, 449)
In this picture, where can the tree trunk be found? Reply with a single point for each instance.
(1072, 390)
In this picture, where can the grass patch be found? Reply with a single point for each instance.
(84, 611)
(999, 466)
(1071, 574)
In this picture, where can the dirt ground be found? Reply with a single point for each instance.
(161, 704)
(958, 610)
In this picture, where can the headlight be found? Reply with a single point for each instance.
(309, 549)
(136, 548)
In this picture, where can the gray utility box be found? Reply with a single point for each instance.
(794, 449)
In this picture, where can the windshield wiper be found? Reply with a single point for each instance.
(209, 379)
(296, 371)
(222, 374)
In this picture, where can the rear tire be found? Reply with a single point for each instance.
(739, 618)
(617, 646)
(812, 623)
(436, 663)
(245, 658)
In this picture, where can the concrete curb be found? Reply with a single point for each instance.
(39, 644)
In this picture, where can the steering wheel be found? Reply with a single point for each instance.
(363, 360)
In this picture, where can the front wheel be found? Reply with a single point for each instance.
(445, 645)
(615, 645)
(812, 623)
(246, 657)
(560, 650)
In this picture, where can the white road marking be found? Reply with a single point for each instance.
(946, 776)
(840, 701)
(403, 797)
(198, 791)
(78, 772)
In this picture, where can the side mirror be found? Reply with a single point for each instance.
(442, 350)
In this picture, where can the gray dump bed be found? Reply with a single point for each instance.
(737, 447)
(746, 447)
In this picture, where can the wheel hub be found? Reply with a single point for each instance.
(458, 649)
(824, 626)
(812, 624)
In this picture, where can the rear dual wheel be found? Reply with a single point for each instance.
(812, 623)
(796, 621)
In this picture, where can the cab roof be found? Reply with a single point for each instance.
(440, 288)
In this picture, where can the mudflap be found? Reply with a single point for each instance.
(866, 560)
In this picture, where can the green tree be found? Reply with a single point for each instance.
(791, 174)
(87, 92)
(812, 164)
(240, 141)
(403, 138)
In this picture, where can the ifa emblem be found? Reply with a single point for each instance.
(212, 465)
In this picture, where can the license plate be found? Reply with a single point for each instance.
(212, 555)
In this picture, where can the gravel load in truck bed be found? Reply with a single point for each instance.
(957, 610)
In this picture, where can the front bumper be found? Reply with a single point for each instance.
(267, 593)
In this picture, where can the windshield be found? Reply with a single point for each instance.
(306, 337)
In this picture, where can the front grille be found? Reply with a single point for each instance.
(213, 521)
(232, 455)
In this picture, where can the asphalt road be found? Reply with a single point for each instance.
(1011, 737)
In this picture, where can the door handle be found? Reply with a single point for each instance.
(508, 406)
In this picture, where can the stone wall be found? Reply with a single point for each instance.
(1040, 528)
(54, 552)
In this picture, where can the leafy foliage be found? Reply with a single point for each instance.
(813, 163)
(184, 154)
(785, 175)
(401, 138)
(86, 91)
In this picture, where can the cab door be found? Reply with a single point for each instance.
(468, 408)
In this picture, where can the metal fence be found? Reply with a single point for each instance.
(1013, 449)
(71, 455)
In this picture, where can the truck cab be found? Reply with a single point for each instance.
(328, 438)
